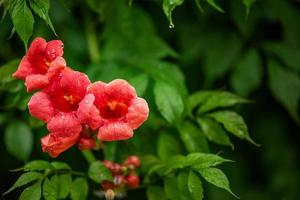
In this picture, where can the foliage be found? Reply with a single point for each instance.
(186, 74)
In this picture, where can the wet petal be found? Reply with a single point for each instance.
(37, 81)
(115, 131)
(41, 107)
(64, 124)
(120, 90)
(74, 83)
(137, 113)
(87, 113)
(36, 49)
(54, 49)
(55, 144)
(24, 69)
(98, 90)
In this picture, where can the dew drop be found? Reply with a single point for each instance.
(171, 25)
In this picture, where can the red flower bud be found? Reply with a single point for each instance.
(106, 185)
(116, 169)
(132, 180)
(108, 164)
(133, 161)
(86, 143)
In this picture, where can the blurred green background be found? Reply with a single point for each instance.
(256, 56)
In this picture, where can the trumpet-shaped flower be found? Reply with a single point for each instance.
(120, 109)
(57, 105)
(36, 64)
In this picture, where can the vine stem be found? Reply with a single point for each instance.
(91, 37)
(89, 156)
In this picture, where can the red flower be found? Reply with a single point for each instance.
(120, 109)
(35, 65)
(86, 143)
(132, 161)
(132, 180)
(64, 133)
(57, 105)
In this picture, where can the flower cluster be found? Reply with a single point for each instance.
(124, 176)
(73, 107)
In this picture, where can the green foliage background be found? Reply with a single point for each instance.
(253, 51)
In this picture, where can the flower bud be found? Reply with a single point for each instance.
(108, 164)
(116, 169)
(132, 180)
(133, 161)
(106, 185)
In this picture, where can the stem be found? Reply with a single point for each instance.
(91, 37)
(89, 156)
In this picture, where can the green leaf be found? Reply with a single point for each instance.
(221, 99)
(196, 99)
(32, 192)
(60, 165)
(174, 163)
(287, 53)
(98, 172)
(182, 183)
(38, 165)
(41, 8)
(64, 185)
(155, 193)
(140, 83)
(168, 101)
(216, 177)
(214, 5)
(18, 140)
(195, 185)
(79, 189)
(171, 188)
(25, 179)
(248, 4)
(7, 82)
(168, 146)
(168, 7)
(214, 132)
(247, 74)
(233, 123)
(193, 138)
(204, 160)
(58, 187)
(218, 59)
(23, 20)
(285, 86)
(50, 188)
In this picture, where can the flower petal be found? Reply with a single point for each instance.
(64, 124)
(120, 90)
(57, 66)
(86, 143)
(115, 131)
(37, 81)
(41, 107)
(87, 113)
(55, 144)
(24, 69)
(137, 113)
(74, 83)
(54, 49)
(36, 49)
(98, 90)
